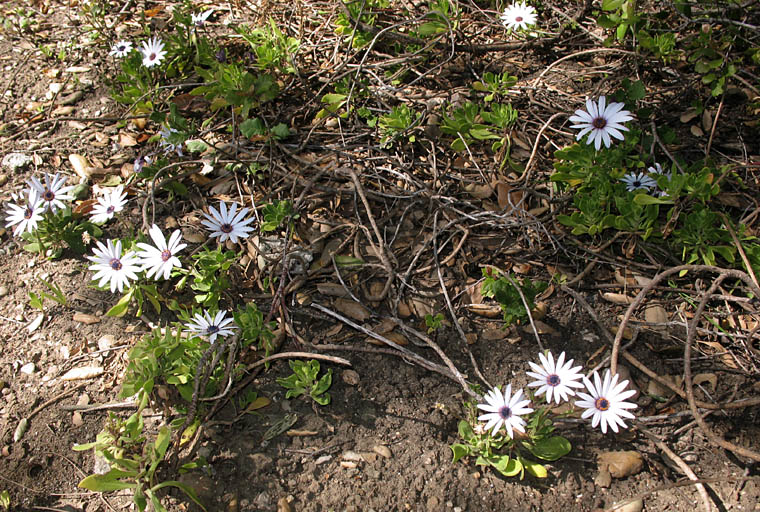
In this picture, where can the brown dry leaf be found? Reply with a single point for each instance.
(83, 372)
(707, 120)
(627, 333)
(140, 123)
(85, 207)
(404, 309)
(623, 277)
(395, 337)
(621, 464)
(81, 165)
(509, 198)
(541, 328)
(494, 334)
(126, 140)
(485, 310)
(332, 289)
(617, 298)
(352, 309)
(478, 191)
(521, 268)
(718, 349)
(84, 318)
(709, 378)
(688, 116)
(656, 314)
(654, 388)
(421, 307)
(696, 131)
(194, 237)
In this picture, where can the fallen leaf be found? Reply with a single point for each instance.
(617, 298)
(84, 318)
(621, 463)
(352, 309)
(81, 165)
(83, 372)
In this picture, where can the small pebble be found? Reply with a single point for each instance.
(3, 290)
(27, 369)
(382, 451)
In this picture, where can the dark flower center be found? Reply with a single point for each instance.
(636, 184)
(225, 228)
(115, 264)
(602, 404)
(505, 413)
(110, 209)
(152, 56)
(121, 48)
(28, 213)
(553, 380)
(166, 255)
(49, 195)
(212, 329)
(599, 123)
(518, 19)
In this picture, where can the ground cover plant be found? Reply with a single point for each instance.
(508, 252)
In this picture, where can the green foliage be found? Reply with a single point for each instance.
(619, 15)
(362, 10)
(252, 328)
(209, 275)
(36, 301)
(443, 16)
(137, 292)
(503, 453)
(465, 124)
(255, 128)
(232, 85)
(59, 228)
(504, 292)
(495, 84)
(133, 460)
(276, 214)
(701, 237)
(304, 379)
(5, 500)
(274, 50)
(398, 123)
(433, 323)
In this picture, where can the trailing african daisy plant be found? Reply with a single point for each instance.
(615, 185)
(510, 434)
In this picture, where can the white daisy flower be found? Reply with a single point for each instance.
(204, 325)
(200, 19)
(153, 52)
(112, 266)
(26, 217)
(504, 410)
(606, 402)
(108, 205)
(169, 147)
(518, 16)
(161, 258)
(638, 181)
(555, 379)
(121, 49)
(601, 121)
(227, 224)
(52, 193)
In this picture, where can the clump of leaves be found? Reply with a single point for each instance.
(499, 288)
(504, 453)
(305, 379)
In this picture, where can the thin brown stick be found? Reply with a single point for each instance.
(681, 465)
(689, 383)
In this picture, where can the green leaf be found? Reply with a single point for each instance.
(534, 468)
(644, 199)
(196, 146)
(120, 309)
(611, 5)
(465, 430)
(506, 465)
(104, 483)
(551, 448)
(460, 450)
